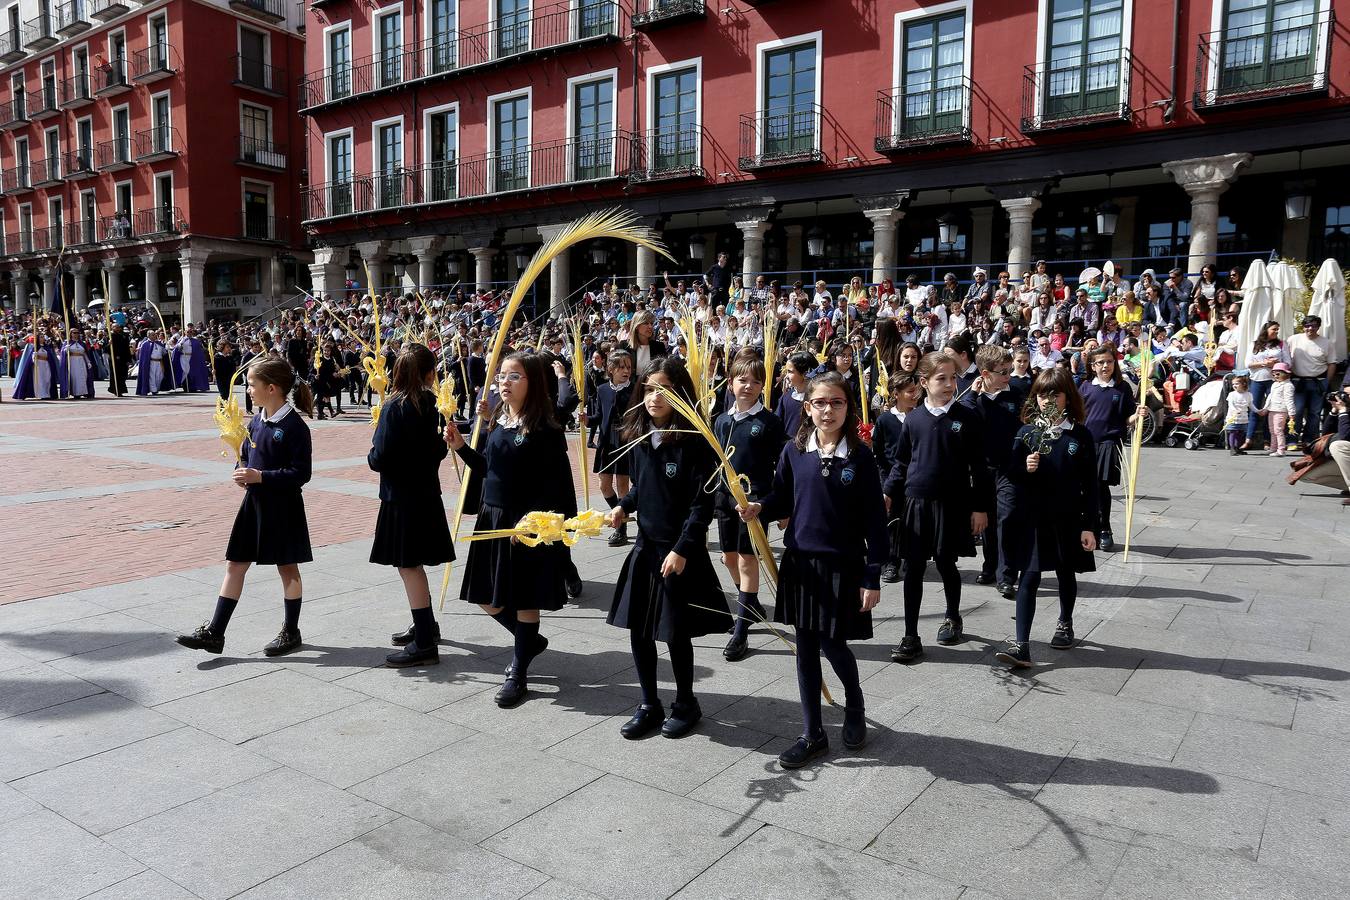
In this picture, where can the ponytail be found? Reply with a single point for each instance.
(302, 398)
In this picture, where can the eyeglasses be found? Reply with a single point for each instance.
(823, 405)
(509, 378)
(1000, 371)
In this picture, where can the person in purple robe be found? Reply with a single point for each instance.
(37, 377)
(189, 363)
(152, 366)
(77, 367)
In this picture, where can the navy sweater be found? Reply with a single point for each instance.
(523, 472)
(756, 442)
(840, 514)
(408, 448)
(1068, 474)
(1107, 409)
(789, 412)
(611, 406)
(1001, 419)
(281, 451)
(942, 458)
(673, 510)
(886, 436)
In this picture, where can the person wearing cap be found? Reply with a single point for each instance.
(1310, 359)
(980, 290)
(1279, 406)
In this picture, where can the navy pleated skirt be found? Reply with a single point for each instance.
(688, 605)
(823, 593)
(270, 529)
(935, 529)
(1108, 462)
(410, 533)
(511, 576)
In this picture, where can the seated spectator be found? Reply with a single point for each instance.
(1046, 356)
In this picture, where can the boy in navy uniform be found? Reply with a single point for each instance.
(1000, 407)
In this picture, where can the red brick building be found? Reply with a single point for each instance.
(447, 136)
(156, 143)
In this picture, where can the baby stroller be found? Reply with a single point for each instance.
(1204, 423)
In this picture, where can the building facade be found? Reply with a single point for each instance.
(447, 138)
(150, 150)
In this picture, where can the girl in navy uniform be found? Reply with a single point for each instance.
(1110, 406)
(789, 408)
(327, 382)
(411, 531)
(270, 527)
(753, 438)
(905, 393)
(667, 590)
(611, 403)
(1058, 536)
(830, 577)
(524, 467)
(940, 472)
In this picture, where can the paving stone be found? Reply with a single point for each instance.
(36, 686)
(54, 641)
(44, 855)
(1287, 759)
(552, 714)
(397, 858)
(356, 742)
(1158, 868)
(1307, 833)
(1148, 729)
(50, 737)
(148, 885)
(243, 835)
(50, 611)
(1212, 692)
(608, 823)
(475, 788)
(459, 675)
(13, 804)
(244, 710)
(104, 792)
(142, 591)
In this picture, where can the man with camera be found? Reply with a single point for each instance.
(1310, 357)
(1334, 469)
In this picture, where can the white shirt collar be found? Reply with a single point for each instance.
(1099, 383)
(938, 410)
(798, 395)
(840, 449)
(282, 412)
(738, 416)
(895, 411)
(657, 436)
(506, 420)
(618, 385)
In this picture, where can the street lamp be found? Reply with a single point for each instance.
(1298, 203)
(948, 230)
(350, 271)
(171, 290)
(522, 257)
(1108, 216)
(815, 242)
(696, 246)
(600, 253)
(452, 265)
(400, 267)
(134, 294)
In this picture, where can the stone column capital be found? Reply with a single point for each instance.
(884, 218)
(753, 229)
(326, 256)
(192, 257)
(892, 202)
(483, 253)
(150, 259)
(478, 239)
(1021, 190)
(549, 232)
(372, 251)
(1021, 208)
(1207, 175)
(421, 246)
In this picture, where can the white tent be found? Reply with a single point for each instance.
(1258, 307)
(1328, 304)
(1286, 289)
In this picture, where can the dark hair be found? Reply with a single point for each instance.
(1049, 381)
(901, 352)
(277, 371)
(802, 361)
(637, 421)
(898, 381)
(538, 409)
(1108, 349)
(411, 368)
(888, 343)
(961, 344)
(849, 434)
(1262, 342)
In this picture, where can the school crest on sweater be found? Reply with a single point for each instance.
(672, 469)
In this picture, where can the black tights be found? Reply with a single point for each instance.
(681, 660)
(810, 645)
(1104, 504)
(1026, 599)
(951, 586)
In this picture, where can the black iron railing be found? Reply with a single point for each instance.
(44, 101)
(255, 227)
(72, 17)
(111, 76)
(75, 90)
(162, 220)
(81, 232)
(15, 179)
(650, 13)
(1084, 90)
(781, 136)
(40, 31)
(255, 73)
(159, 60)
(1266, 61)
(43, 172)
(938, 114)
(261, 152)
(78, 162)
(270, 9)
(161, 140)
(10, 47)
(114, 153)
(669, 153)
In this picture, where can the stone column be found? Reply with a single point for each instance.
(482, 265)
(326, 272)
(426, 249)
(793, 234)
(114, 270)
(982, 237)
(193, 284)
(81, 272)
(50, 298)
(18, 286)
(1122, 242)
(1205, 179)
(373, 254)
(752, 231)
(150, 263)
(1021, 210)
(559, 273)
(884, 211)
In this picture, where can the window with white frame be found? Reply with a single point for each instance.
(88, 217)
(49, 97)
(789, 114)
(510, 143)
(26, 228)
(339, 52)
(84, 144)
(512, 21)
(18, 89)
(442, 130)
(21, 161)
(592, 127)
(389, 164)
(443, 36)
(676, 134)
(1268, 44)
(161, 130)
(159, 44)
(340, 174)
(1084, 59)
(51, 143)
(389, 47)
(932, 97)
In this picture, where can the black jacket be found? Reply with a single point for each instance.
(407, 449)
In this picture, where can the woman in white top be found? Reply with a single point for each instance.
(956, 319)
(823, 299)
(717, 334)
(1042, 314)
(1266, 352)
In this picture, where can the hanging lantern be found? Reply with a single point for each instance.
(815, 242)
(948, 232)
(452, 265)
(697, 243)
(522, 257)
(599, 253)
(1298, 203)
(1108, 215)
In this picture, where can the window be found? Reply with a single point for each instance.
(933, 76)
(1168, 238)
(1084, 59)
(162, 133)
(1267, 43)
(84, 143)
(444, 43)
(253, 68)
(255, 130)
(340, 174)
(442, 137)
(49, 100)
(80, 60)
(122, 197)
(340, 63)
(159, 44)
(788, 117)
(513, 26)
(592, 129)
(389, 30)
(51, 140)
(26, 228)
(122, 134)
(511, 143)
(56, 221)
(675, 139)
(117, 58)
(164, 217)
(594, 18)
(88, 216)
(257, 212)
(389, 159)
(21, 161)
(18, 89)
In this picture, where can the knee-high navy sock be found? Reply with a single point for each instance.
(682, 661)
(644, 658)
(507, 619)
(424, 627)
(1026, 604)
(845, 665)
(747, 612)
(808, 681)
(292, 613)
(612, 500)
(224, 609)
(527, 643)
(914, 569)
(1068, 594)
(951, 585)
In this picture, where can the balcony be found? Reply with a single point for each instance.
(916, 118)
(46, 173)
(667, 154)
(10, 48)
(271, 11)
(45, 240)
(14, 114)
(39, 33)
(78, 164)
(82, 233)
(15, 180)
(107, 10)
(114, 155)
(148, 223)
(72, 17)
(154, 63)
(1077, 92)
(75, 92)
(257, 75)
(261, 154)
(43, 103)
(1257, 63)
(254, 227)
(552, 29)
(649, 14)
(332, 199)
(111, 78)
(786, 136)
(160, 142)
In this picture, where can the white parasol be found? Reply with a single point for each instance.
(1258, 307)
(1286, 289)
(1328, 304)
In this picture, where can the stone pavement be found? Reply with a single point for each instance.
(1194, 744)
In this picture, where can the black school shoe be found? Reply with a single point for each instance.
(683, 717)
(736, 648)
(413, 655)
(984, 578)
(1105, 542)
(286, 641)
(950, 632)
(404, 638)
(203, 639)
(802, 752)
(890, 573)
(513, 691)
(1016, 654)
(574, 588)
(1006, 591)
(1063, 638)
(646, 720)
(855, 727)
(910, 649)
